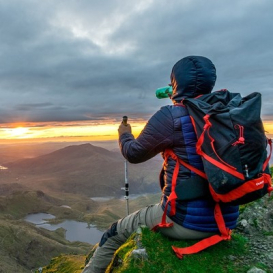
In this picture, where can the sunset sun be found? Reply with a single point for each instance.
(18, 132)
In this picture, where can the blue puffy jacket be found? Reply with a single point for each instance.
(171, 128)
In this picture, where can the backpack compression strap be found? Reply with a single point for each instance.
(220, 164)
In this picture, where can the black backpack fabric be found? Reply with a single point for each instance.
(233, 145)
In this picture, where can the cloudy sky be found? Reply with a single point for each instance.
(86, 60)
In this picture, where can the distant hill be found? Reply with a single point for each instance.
(12, 152)
(83, 169)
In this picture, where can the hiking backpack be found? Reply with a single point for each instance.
(233, 146)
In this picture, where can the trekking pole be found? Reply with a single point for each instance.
(126, 197)
(126, 188)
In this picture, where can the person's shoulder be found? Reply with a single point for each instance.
(174, 109)
(166, 107)
(162, 114)
(169, 111)
(165, 110)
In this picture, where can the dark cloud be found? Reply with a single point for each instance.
(89, 60)
(31, 106)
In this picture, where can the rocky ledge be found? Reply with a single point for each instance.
(256, 224)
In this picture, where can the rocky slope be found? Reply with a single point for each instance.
(256, 224)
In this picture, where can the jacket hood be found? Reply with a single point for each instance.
(192, 76)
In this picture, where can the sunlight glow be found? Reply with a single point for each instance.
(268, 126)
(65, 131)
(18, 132)
(74, 131)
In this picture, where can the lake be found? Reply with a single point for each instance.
(75, 231)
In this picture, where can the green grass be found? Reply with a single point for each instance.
(65, 264)
(268, 233)
(162, 259)
(225, 257)
(122, 255)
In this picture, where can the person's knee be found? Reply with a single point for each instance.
(110, 232)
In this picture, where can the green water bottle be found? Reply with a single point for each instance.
(164, 92)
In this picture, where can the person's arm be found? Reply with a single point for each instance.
(156, 136)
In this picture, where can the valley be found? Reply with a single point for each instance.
(62, 183)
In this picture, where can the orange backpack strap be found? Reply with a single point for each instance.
(173, 196)
(220, 164)
(225, 234)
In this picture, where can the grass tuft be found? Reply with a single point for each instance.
(65, 264)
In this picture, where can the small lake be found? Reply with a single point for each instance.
(75, 231)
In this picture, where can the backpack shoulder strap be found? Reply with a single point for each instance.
(173, 196)
(225, 233)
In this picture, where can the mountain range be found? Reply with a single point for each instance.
(82, 169)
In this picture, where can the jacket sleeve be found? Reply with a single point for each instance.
(156, 136)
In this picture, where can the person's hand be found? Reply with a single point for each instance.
(124, 129)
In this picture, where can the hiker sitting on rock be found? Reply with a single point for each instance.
(170, 128)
